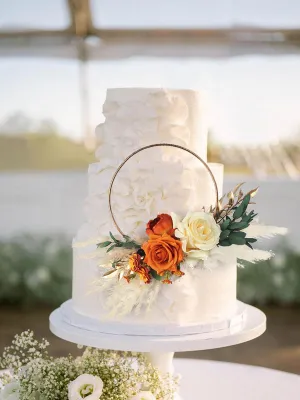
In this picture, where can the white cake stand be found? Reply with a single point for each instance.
(160, 349)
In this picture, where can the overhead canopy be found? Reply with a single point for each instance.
(114, 29)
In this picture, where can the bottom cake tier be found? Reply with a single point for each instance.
(201, 299)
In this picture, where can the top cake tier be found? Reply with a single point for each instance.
(137, 117)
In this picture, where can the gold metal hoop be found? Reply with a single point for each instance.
(149, 147)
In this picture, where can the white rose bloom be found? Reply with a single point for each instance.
(145, 395)
(86, 386)
(198, 232)
(10, 391)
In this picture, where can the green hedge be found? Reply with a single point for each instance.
(35, 271)
(276, 281)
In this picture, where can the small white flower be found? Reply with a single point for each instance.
(86, 386)
(10, 391)
(198, 232)
(144, 395)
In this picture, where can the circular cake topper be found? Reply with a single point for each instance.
(149, 147)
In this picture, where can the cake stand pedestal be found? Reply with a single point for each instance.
(160, 349)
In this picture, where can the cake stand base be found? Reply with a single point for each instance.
(160, 349)
(250, 328)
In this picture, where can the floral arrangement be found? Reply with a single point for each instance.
(97, 375)
(174, 243)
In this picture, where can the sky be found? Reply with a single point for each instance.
(250, 99)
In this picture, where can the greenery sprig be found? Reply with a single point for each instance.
(233, 218)
(126, 243)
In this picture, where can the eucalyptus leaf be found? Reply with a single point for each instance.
(224, 234)
(251, 240)
(238, 234)
(129, 245)
(250, 217)
(246, 201)
(103, 244)
(237, 240)
(111, 248)
(224, 243)
(247, 218)
(238, 211)
(225, 224)
(113, 238)
(155, 275)
(239, 225)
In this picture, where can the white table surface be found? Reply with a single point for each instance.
(213, 380)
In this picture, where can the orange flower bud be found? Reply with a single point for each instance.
(136, 265)
(161, 224)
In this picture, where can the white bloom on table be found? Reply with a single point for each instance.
(10, 391)
(144, 395)
(198, 232)
(86, 386)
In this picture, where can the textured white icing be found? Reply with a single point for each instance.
(156, 180)
(139, 194)
(139, 117)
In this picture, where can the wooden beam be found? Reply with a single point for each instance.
(81, 17)
(82, 27)
(163, 35)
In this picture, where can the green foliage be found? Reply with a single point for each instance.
(126, 243)
(276, 281)
(234, 223)
(241, 209)
(35, 270)
(155, 275)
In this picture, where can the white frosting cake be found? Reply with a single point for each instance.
(155, 181)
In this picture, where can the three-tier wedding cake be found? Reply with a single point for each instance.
(158, 253)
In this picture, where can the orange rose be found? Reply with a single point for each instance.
(163, 253)
(161, 224)
(136, 265)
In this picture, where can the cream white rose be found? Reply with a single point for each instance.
(86, 386)
(198, 232)
(144, 395)
(10, 391)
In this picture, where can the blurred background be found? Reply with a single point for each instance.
(56, 60)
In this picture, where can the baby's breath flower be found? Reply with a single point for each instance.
(23, 349)
(124, 374)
